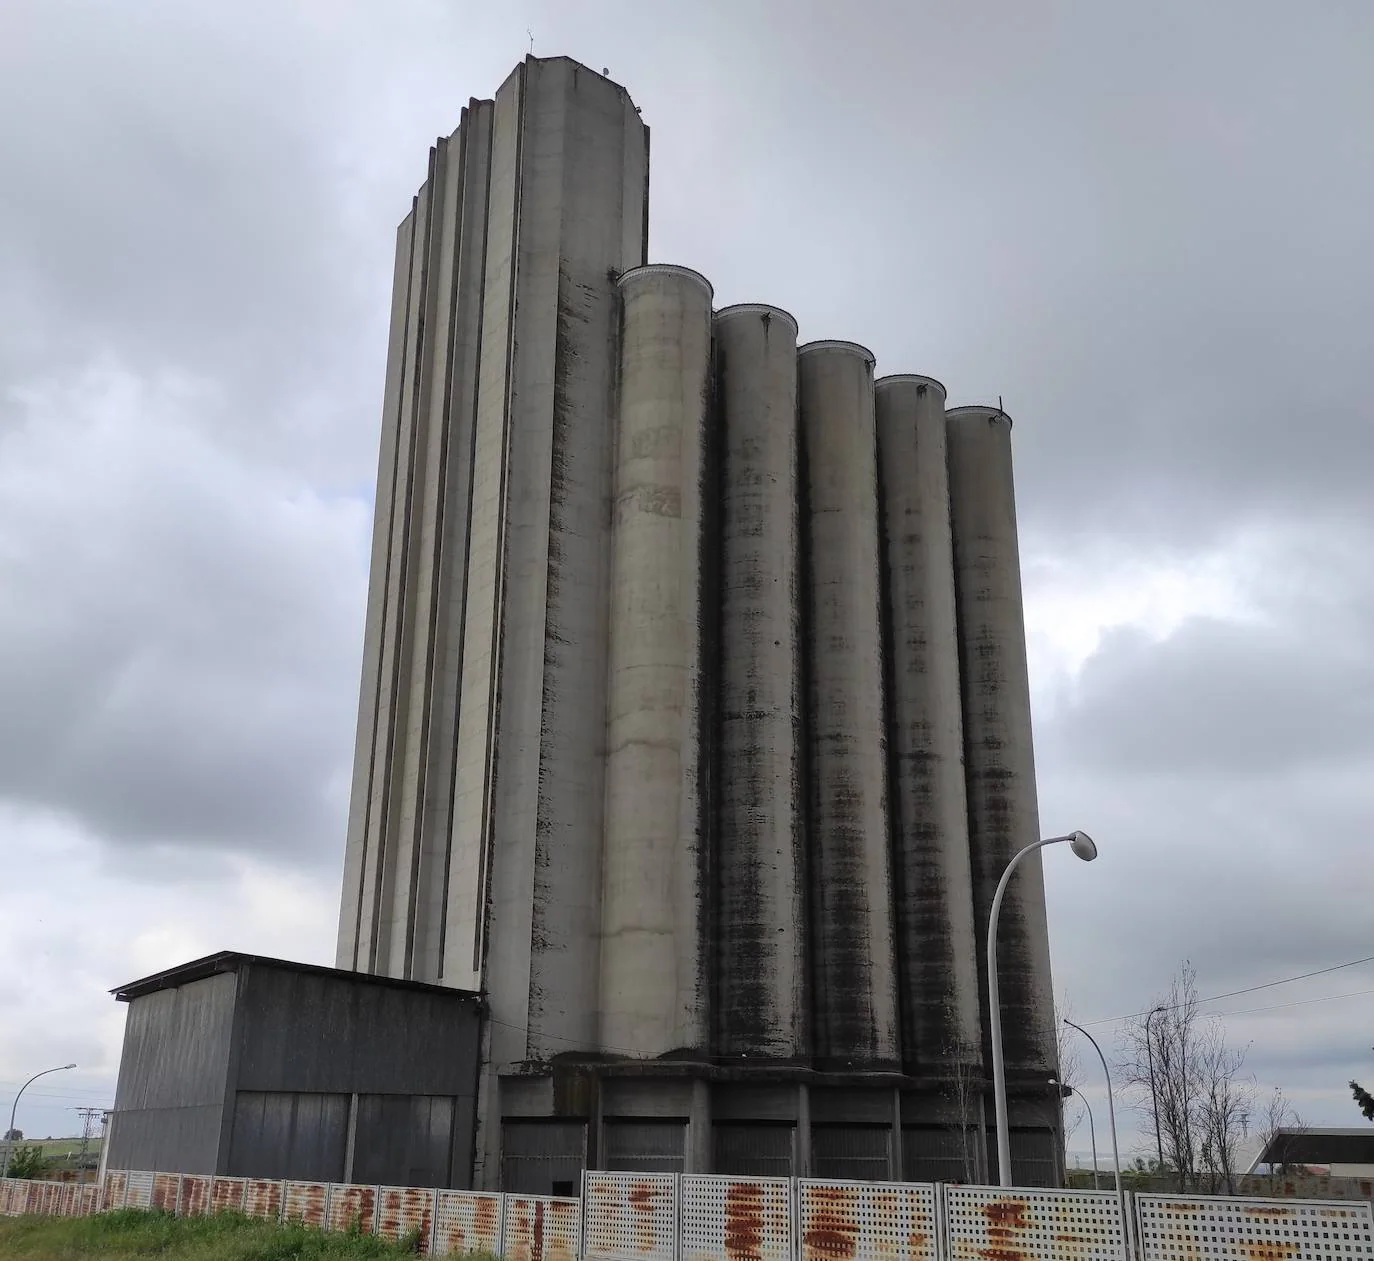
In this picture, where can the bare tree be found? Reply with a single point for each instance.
(965, 1097)
(1224, 1106)
(1278, 1120)
(1161, 1063)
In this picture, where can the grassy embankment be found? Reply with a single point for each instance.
(130, 1233)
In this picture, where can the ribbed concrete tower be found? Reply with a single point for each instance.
(695, 728)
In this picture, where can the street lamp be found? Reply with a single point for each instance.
(1082, 845)
(1154, 1097)
(9, 1143)
(1066, 1090)
(1111, 1116)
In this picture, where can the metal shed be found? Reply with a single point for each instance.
(241, 1065)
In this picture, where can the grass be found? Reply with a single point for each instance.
(129, 1233)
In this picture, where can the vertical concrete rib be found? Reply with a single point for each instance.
(360, 886)
(852, 942)
(760, 885)
(936, 952)
(415, 661)
(653, 987)
(453, 411)
(382, 816)
(998, 756)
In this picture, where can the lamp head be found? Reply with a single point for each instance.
(1083, 845)
(68, 1065)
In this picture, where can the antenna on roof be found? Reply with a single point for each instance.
(530, 33)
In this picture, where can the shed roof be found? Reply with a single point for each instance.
(234, 961)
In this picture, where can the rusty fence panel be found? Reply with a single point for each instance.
(401, 1210)
(735, 1219)
(226, 1194)
(351, 1206)
(541, 1228)
(262, 1198)
(7, 1186)
(629, 1216)
(66, 1200)
(867, 1221)
(139, 1192)
(89, 1201)
(1173, 1227)
(1029, 1224)
(115, 1189)
(306, 1203)
(166, 1188)
(466, 1221)
(193, 1200)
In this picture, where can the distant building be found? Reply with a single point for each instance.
(695, 728)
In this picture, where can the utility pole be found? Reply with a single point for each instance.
(89, 1117)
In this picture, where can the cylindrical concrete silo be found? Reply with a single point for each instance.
(999, 764)
(759, 923)
(854, 961)
(654, 986)
(936, 953)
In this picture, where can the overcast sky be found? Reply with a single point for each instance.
(1147, 227)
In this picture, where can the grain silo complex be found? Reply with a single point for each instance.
(695, 726)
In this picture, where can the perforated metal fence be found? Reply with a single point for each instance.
(466, 1221)
(667, 1217)
(867, 1221)
(542, 1228)
(352, 1207)
(1183, 1228)
(306, 1203)
(629, 1216)
(735, 1219)
(982, 1223)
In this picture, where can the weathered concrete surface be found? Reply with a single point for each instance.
(654, 987)
(357, 912)
(999, 761)
(852, 943)
(759, 919)
(936, 951)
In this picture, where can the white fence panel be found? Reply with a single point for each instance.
(629, 1216)
(867, 1221)
(1177, 1227)
(735, 1219)
(541, 1228)
(139, 1188)
(467, 1221)
(1033, 1224)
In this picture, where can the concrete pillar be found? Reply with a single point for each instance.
(936, 951)
(999, 759)
(852, 942)
(760, 914)
(654, 988)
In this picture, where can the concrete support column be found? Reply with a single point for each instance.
(851, 891)
(760, 885)
(936, 950)
(653, 979)
(999, 760)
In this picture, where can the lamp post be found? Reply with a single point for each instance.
(1065, 1089)
(1082, 845)
(1154, 1097)
(9, 1143)
(1111, 1116)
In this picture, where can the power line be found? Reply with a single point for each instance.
(1249, 989)
(1301, 1002)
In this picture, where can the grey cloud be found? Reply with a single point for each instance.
(1221, 697)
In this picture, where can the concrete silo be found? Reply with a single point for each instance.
(760, 880)
(936, 954)
(853, 966)
(654, 987)
(999, 762)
